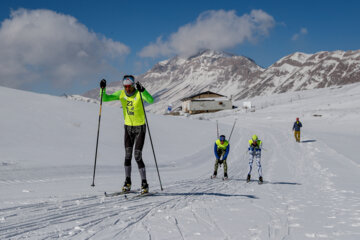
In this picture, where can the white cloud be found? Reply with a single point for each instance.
(303, 31)
(217, 30)
(45, 47)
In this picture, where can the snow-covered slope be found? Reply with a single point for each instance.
(240, 77)
(310, 191)
(81, 98)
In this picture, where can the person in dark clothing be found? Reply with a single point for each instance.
(296, 128)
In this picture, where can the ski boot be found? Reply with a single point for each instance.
(260, 180)
(248, 178)
(214, 175)
(225, 176)
(144, 187)
(127, 185)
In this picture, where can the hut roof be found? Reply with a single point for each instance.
(201, 93)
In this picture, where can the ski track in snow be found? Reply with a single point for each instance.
(308, 193)
(91, 217)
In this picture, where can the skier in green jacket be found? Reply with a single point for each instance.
(135, 128)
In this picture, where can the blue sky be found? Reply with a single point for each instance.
(67, 46)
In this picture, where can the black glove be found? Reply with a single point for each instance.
(139, 87)
(103, 83)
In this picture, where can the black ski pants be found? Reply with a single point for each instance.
(134, 136)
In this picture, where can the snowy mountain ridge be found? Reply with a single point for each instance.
(240, 77)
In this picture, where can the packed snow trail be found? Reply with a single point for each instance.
(310, 189)
(300, 196)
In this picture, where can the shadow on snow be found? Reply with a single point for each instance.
(308, 141)
(268, 182)
(207, 194)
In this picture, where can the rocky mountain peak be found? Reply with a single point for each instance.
(238, 76)
(208, 53)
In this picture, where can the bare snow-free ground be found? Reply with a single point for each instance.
(311, 189)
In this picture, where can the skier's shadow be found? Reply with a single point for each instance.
(268, 182)
(207, 194)
(308, 141)
(285, 183)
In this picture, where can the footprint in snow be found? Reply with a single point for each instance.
(295, 225)
(355, 225)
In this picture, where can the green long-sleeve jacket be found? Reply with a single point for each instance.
(132, 106)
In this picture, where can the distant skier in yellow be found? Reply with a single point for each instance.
(221, 151)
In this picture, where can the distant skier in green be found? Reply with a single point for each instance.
(135, 128)
(255, 153)
(221, 151)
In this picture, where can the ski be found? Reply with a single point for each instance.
(140, 195)
(225, 178)
(260, 180)
(113, 194)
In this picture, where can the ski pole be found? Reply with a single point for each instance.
(97, 139)
(152, 146)
(217, 128)
(232, 129)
